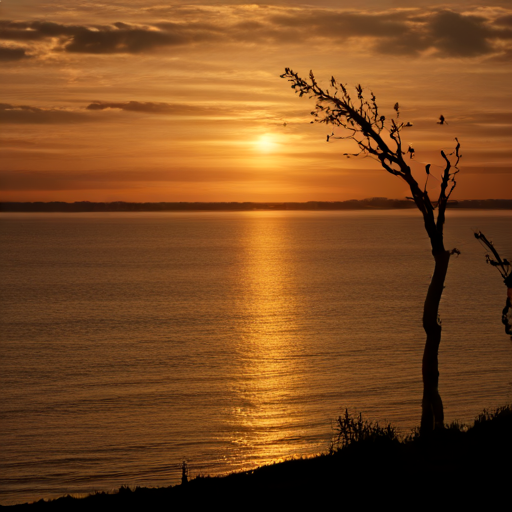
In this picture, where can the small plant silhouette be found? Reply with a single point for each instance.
(184, 473)
(353, 429)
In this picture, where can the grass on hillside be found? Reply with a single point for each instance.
(367, 465)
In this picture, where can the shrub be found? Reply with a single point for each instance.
(350, 429)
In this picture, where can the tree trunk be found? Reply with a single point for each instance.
(432, 406)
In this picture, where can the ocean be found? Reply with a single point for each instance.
(131, 342)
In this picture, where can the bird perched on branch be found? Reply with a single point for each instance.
(442, 120)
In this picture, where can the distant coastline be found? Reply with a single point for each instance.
(375, 203)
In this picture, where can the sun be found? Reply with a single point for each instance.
(266, 143)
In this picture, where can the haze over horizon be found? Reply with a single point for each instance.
(144, 102)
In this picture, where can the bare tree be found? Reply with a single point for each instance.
(505, 269)
(375, 137)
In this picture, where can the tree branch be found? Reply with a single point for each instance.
(364, 125)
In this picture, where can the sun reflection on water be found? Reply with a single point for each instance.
(263, 417)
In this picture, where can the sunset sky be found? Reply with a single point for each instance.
(182, 101)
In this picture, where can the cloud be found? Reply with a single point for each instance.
(444, 33)
(487, 169)
(493, 117)
(502, 58)
(106, 179)
(19, 31)
(483, 155)
(55, 180)
(155, 108)
(342, 25)
(122, 40)
(8, 54)
(116, 38)
(505, 21)
(457, 35)
(24, 114)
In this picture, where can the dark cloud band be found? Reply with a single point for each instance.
(445, 33)
(175, 109)
(8, 54)
(24, 114)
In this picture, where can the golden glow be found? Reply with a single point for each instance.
(161, 119)
(267, 143)
(264, 421)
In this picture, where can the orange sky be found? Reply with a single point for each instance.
(149, 101)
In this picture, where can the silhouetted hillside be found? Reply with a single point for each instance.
(455, 467)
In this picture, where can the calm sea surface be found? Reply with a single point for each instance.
(131, 342)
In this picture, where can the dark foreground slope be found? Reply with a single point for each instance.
(456, 467)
